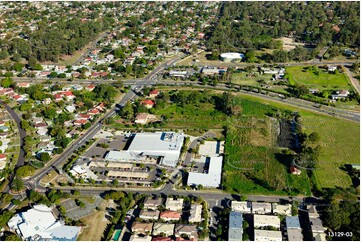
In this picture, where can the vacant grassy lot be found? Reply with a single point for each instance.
(202, 116)
(340, 141)
(244, 78)
(254, 166)
(96, 224)
(322, 81)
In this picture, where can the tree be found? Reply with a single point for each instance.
(3, 55)
(50, 113)
(17, 184)
(12, 237)
(7, 82)
(25, 171)
(5, 216)
(250, 56)
(44, 156)
(314, 137)
(32, 62)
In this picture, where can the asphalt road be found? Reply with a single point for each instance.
(22, 133)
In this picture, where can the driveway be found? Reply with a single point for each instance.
(188, 157)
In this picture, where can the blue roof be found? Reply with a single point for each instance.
(293, 222)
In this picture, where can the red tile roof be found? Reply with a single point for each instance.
(148, 102)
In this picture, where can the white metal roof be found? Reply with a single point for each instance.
(210, 179)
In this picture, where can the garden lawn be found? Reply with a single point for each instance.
(322, 81)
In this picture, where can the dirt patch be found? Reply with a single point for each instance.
(285, 138)
(95, 227)
(289, 43)
(261, 134)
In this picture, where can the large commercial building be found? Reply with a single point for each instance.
(235, 229)
(210, 179)
(39, 223)
(232, 56)
(145, 147)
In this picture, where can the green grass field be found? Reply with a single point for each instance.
(340, 141)
(203, 116)
(322, 81)
(243, 78)
(256, 167)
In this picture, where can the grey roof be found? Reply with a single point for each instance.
(235, 226)
(294, 235)
(293, 222)
(65, 232)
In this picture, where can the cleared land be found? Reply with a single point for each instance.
(322, 81)
(244, 78)
(96, 225)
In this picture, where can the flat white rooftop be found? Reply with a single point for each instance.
(210, 179)
(211, 148)
(160, 144)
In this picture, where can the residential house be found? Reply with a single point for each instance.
(279, 209)
(235, 229)
(142, 228)
(295, 171)
(46, 101)
(267, 235)
(144, 118)
(160, 238)
(4, 128)
(58, 97)
(316, 225)
(331, 69)
(195, 213)
(170, 215)
(3, 157)
(174, 205)
(261, 208)
(293, 227)
(241, 206)
(153, 93)
(70, 108)
(312, 211)
(152, 204)
(137, 237)
(148, 103)
(80, 122)
(93, 111)
(162, 228)
(340, 94)
(261, 221)
(90, 87)
(44, 138)
(186, 229)
(71, 133)
(23, 84)
(149, 215)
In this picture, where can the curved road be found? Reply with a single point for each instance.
(22, 133)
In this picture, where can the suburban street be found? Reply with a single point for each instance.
(22, 133)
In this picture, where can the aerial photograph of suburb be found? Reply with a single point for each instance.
(179, 120)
